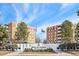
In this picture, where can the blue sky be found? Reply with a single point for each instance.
(40, 15)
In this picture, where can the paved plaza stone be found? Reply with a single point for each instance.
(38, 54)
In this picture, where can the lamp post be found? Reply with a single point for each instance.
(42, 31)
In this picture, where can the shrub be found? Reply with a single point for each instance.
(28, 50)
(68, 46)
(45, 50)
(49, 50)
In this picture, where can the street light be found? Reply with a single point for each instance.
(42, 31)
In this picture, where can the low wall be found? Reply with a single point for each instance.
(22, 46)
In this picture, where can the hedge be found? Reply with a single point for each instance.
(45, 50)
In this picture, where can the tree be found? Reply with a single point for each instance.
(66, 32)
(22, 32)
(77, 12)
(3, 34)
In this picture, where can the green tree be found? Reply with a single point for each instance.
(22, 32)
(3, 34)
(77, 12)
(66, 32)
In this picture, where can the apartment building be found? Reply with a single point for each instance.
(54, 34)
(12, 28)
(32, 35)
(58, 34)
(50, 35)
(76, 33)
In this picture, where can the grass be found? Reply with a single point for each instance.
(2, 53)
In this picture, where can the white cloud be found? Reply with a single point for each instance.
(32, 17)
(18, 14)
(1, 17)
(74, 18)
(28, 20)
(26, 7)
(65, 6)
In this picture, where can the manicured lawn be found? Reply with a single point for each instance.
(4, 52)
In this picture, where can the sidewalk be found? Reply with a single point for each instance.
(58, 53)
(37, 54)
(13, 53)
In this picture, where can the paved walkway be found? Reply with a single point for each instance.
(13, 53)
(58, 53)
(61, 53)
(36, 54)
